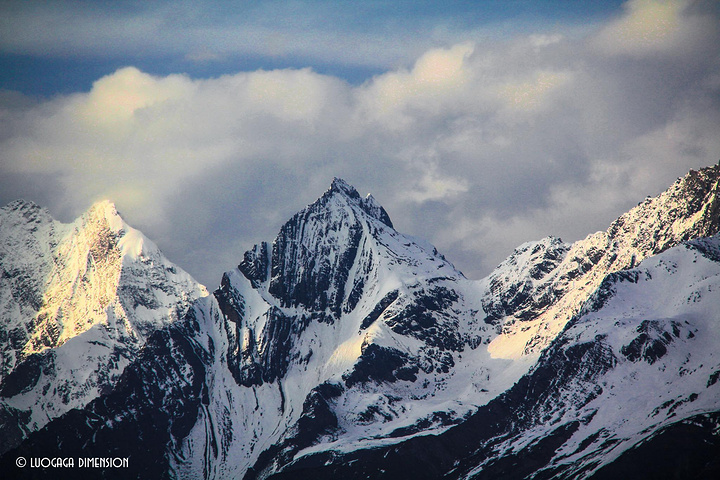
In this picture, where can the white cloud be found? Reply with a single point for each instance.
(114, 99)
(437, 81)
(366, 35)
(543, 40)
(530, 94)
(477, 147)
(651, 27)
(442, 68)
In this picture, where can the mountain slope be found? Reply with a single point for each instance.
(528, 300)
(535, 306)
(374, 353)
(639, 362)
(346, 349)
(78, 302)
(344, 330)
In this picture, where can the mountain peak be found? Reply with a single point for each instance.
(21, 204)
(689, 209)
(30, 211)
(368, 205)
(105, 210)
(353, 348)
(371, 206)
(341, 186)
(105, 206)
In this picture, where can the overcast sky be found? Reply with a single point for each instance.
(478, 125)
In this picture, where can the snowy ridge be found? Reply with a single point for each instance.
(644, 356)
(344, 349)
(292, 343)
(528, 300)
(639, 361)
(365, 376)
(98, 288)
(28, 236)
(689, 209)
(660, 323)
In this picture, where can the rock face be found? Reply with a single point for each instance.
(637, 366)
(341, 329)
(345, 349)
(687, 210)
(78, 302)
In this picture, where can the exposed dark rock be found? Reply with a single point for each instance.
(154, 405)
(274, 356)
(428, 318)
(386, 301)
(712, 380)
(685, 450)
(13, 427)
(708, 249)
(425, 424)
(316, 419)
(651, 344)
(518, 295)
(255, 264)
(608, 288)
(313, 275)
(381, 364)
(230, 301)
(27, 373)
(458, 451)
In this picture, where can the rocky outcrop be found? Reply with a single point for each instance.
(344, 349)
(78, 300)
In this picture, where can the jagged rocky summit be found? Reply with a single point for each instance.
(346, 349)
(549, 281)
(77, 303)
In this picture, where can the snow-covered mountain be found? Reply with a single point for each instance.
(346, 349)
(77, 302)
(344, 332)
(543, 285)
(628, 390)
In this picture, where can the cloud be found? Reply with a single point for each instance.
(213, 38)
(269, 32)
(477, 146)
(529, 95)
(437, 82)
(651, 27)
(114, 100)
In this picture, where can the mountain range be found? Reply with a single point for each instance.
(345, 349)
